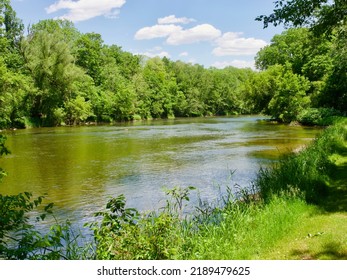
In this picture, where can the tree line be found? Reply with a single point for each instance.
(56, 75)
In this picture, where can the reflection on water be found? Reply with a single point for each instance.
(79, 168)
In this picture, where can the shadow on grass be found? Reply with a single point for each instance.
(329, 251)
(336, 201)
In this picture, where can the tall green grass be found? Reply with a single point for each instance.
(306, 172)
(241, 229)
(247, 231)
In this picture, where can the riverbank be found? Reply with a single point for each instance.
(296, 209)
(299, 212)
(319, 230)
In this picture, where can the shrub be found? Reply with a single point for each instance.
(318, 116)
(125, 235)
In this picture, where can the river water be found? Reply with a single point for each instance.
(80, 168)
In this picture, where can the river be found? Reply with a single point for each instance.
(80, 168)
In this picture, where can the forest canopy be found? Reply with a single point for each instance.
(56, 75)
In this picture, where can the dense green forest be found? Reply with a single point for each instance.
(52, 74)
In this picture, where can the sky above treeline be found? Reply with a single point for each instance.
(215, 33)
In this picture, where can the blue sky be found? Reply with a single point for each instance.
(215, 33)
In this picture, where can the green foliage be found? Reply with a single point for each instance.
(89, 48)
(292, 46)
(279, 93)
(335, 91)
(289, 97)
(14, 226)
(59, 82)
(321, 15)
(13, 89)
(124, 234)
(113, 220)
(320, 59)
(158, 81)
(154, 237)
(48, 60)
(77, 111)
(177, 196)
(298, 48)
(318, 116)
(306, 55)
(65, 29)
(19, 238)
(260, 87)
(11, 27)
(320, 52)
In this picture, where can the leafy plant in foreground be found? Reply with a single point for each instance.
(114, 219)
(20, 238)
(177, 196)
(124, 234)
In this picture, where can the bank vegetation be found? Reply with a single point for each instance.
(301, 197)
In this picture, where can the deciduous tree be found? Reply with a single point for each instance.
(322, 15)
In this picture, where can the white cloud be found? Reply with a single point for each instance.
(227, 44)
(154, 52)
(231, 43)
(176, 35)
(172, 19)
(203, 32)
(235, 63)
(81, 10)
(157, 31)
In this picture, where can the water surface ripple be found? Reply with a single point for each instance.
(79, 168)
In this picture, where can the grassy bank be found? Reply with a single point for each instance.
(297, 210)
(321, 235)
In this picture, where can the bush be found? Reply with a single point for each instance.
(318, 116)
(124, 234)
